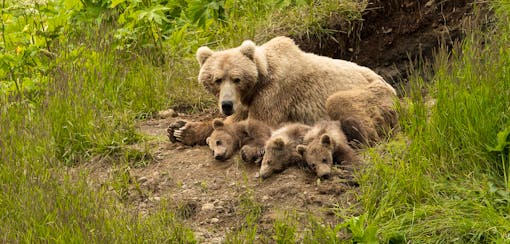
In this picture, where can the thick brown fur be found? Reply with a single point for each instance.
(367, 114)
(280, 150)
(324, 145)
(249, 136)
(276, 82)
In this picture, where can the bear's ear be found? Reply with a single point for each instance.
(278, 144)
(301, 149)
(325, 140)
(248, 49)
(203, 53)
(207, 140)
(217, 123)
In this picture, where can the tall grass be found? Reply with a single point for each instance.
(440, 182)
(88, 108)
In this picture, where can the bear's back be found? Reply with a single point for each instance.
(331, 127)
(298, 83)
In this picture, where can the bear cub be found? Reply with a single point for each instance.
(280, 150)
(324, 145)
(248, 135)
(367, 114)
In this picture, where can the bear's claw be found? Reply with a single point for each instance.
(175, 130)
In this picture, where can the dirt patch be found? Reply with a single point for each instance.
(393, 34)
(209, 193)
(212, 197)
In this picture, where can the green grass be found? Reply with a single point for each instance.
(42, 202)
(247, 231)
(439, 182)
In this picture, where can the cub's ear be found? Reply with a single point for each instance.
(248, 49)
(278, 144)
(301, 149)
(203, 53)
(217, 123)
(207, 140)
(325, 140)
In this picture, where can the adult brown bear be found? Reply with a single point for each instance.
(274, 83)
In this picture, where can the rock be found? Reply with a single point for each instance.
(142, 205)
(207, 207)
(167, 113)
(141, 180)
(215, 220)
(216, 240)
(429, 3)
(199, 236)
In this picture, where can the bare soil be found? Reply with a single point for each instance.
(209, 193)
(395, 34)
(210, 196)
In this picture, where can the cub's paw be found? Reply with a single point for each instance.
(252, 154)
(175, 126)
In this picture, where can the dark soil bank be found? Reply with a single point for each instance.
(395, 32)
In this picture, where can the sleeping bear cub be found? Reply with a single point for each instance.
(248, 135)
(324, 145)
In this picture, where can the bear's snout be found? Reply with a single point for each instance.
(219, 157)
(323, 171)
(227, 107)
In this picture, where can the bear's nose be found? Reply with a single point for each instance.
(227, 107)
(219, 157)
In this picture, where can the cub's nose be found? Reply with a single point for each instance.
(219, 157)
(227, 107)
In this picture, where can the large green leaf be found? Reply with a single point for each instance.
(503, 141)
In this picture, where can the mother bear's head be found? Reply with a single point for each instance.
(232, 75)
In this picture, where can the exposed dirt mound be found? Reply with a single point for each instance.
(214, 198)
(395, 32)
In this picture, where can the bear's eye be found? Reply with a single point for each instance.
(237, 80)
(218, 81)
(218, 143)
(324, 160)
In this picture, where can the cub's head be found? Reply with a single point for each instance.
(231, 75)
(318, 155)
(222, 141)
(277, 156)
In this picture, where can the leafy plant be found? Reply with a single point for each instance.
(360, 231)
(503, 142)
(502, 149)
